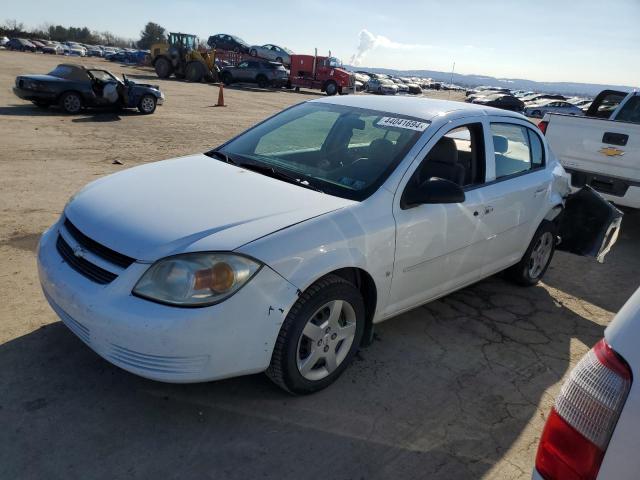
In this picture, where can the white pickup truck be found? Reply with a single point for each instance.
(601, 149)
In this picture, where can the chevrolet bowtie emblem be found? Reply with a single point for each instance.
(611, 151)
(79, 252)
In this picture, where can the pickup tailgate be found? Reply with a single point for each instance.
(596, 145)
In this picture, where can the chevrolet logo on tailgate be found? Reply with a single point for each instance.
(611, 151)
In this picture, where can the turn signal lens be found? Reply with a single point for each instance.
(219, 278)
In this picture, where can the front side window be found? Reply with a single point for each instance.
(343, 151)
(458, 156)
(517, 150)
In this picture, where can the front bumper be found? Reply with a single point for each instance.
(170, 344)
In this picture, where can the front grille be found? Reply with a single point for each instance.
(94, 247)
(82, 266)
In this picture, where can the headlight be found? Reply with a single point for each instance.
(196, 279)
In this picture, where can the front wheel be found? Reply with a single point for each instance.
(319, 337)
(535, 261)
(163, 67)
(331, 88)
(147, 104)
(227, 79)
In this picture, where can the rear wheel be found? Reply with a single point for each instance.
(262, 81)
(319, 337)
(163, 67)
(147, 104)
(331, 88)
(71, 102)
(536, 260)
(194, 72)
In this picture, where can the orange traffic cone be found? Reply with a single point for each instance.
(221, 96)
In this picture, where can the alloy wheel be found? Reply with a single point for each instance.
(326, 340)
(540, 254)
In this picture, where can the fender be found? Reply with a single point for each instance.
(345, 238)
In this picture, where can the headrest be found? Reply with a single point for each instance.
(445, 151)
(381, 148)
(500, 144)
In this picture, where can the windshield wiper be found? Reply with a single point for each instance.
(279, 174)
(222, 156)
(265, 170)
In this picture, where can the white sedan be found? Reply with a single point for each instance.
(281, 249)
(271, 52)
(592, 431)
(540, 109)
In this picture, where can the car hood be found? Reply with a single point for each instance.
(193, 203)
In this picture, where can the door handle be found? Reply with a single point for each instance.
(488, 209)
(539, 190)
(612, 138)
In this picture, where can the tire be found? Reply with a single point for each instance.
(163, 67)
(535, 261)
(194, 72)
(311, 334)
(262, 81)
(536, 113)
(279, 59)
(253, 52)
(147, 104)
(331, 88)
(71, 102)
(227, 78)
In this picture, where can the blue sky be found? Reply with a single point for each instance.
(546, 40)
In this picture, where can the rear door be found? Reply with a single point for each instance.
(242, 72)
(518, 185)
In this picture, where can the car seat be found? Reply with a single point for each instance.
(442, 162)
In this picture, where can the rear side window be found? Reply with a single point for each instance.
(517, 150)
(630, 112)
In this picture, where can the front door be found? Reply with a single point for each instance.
(441, 247)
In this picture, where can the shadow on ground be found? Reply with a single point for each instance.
(443, 393)
(89, 115)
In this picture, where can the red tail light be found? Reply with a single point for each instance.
(582, 421)
(543, 126)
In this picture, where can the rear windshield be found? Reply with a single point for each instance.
(343, 151)
(61, 71)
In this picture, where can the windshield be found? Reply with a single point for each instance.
(343, 151)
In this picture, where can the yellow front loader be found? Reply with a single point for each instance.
(180, 56)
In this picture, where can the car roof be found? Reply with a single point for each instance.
(424, 108)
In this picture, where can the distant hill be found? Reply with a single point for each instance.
(565, 88)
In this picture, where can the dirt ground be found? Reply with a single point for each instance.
(457, 389)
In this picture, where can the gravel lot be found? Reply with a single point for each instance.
(456, 389)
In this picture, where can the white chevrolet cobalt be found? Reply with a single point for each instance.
(279, 250)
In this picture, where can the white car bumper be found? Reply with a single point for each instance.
(234, 337)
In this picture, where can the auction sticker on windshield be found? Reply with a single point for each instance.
(403, 123)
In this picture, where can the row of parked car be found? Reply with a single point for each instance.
(125, 55)
(532, 104)
(384, 84)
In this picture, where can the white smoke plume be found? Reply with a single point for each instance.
(370, 41)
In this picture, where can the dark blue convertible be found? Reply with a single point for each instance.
(74, 87)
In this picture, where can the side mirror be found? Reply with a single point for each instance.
(435, 190)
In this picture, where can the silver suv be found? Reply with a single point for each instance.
(265, 74)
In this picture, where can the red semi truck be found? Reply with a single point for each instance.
(323, 73)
